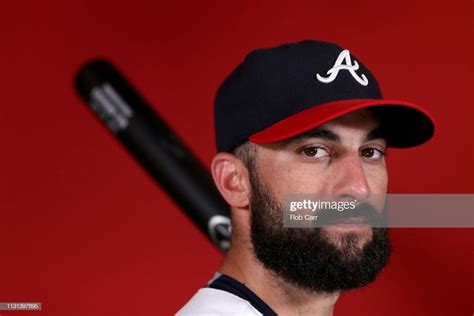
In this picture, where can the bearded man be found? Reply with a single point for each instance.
(302, 118)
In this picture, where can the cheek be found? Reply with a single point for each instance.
(378, 182)
(279, 178)
(284, 176)
(377, 179)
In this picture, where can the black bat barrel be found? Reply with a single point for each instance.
(156, 147)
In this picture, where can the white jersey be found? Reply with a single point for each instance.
(224, 295)
(212, 302)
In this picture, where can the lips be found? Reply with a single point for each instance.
(353, 221)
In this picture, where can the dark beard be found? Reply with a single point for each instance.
(304, 257)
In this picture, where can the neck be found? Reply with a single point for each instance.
(283, 298)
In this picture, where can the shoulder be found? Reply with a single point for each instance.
(208, 301)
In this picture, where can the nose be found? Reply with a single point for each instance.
(350, 180)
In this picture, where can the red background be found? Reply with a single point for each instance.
(86, 232)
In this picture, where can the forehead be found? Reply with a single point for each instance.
(360, 118)
(361, 124)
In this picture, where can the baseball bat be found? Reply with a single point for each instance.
(155, 146)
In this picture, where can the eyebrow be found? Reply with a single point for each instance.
(319, 133)
(324, 133)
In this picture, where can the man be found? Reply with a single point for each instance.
(302, 118)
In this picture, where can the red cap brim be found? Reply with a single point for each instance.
(407, 123)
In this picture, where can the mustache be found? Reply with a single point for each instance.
(364, 214)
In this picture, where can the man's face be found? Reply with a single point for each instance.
(343, 159)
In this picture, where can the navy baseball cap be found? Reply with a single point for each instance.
(278, 93)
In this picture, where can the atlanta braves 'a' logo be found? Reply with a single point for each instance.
(332, 73)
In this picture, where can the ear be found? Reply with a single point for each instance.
(232, 179)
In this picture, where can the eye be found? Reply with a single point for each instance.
(372, 153)
(314, 152)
